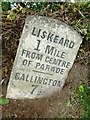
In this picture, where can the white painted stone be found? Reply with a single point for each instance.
(42, 64)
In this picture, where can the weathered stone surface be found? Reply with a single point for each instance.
(45, 55)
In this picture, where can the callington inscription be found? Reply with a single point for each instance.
(45, 55)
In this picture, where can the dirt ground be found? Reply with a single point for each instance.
(51, 107)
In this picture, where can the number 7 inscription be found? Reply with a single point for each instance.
(34, 88)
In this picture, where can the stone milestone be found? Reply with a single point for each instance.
(46, 52)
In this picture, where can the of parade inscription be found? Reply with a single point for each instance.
(45, 55)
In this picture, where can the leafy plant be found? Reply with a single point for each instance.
(11, 16)
(84, 100)
(4, 101)
(5, 6)
(68, 104)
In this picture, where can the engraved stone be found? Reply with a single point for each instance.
(46, 52)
